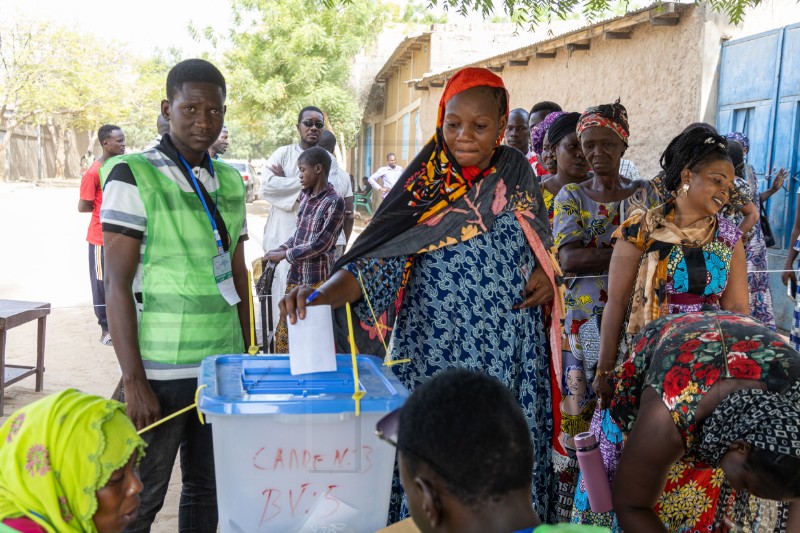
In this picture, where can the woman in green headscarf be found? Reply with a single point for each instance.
(68, 465)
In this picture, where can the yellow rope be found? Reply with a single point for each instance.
(358, 394)
(253, 349)
(396, 362)
(178, 413)
(378, 325)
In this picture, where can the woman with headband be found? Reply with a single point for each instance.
(682, 256)
(460, 246)
(585, 216)
(566, 152)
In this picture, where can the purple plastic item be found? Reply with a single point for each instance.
(594, 474)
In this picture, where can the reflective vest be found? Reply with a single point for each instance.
(184, 318)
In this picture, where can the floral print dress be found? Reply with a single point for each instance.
(755, 249)
(693, 277)
(549, 203)
(681, 358)
(578, 218)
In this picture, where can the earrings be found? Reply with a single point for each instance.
(684, 191)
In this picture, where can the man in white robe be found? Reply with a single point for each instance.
(280, 186)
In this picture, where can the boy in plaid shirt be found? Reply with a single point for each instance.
(310, 251)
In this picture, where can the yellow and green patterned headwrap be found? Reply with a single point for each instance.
(57, 452)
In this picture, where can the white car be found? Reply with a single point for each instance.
(248, 176)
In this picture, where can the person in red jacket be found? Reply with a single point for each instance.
(112, 140)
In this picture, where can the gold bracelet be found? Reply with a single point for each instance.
(603, 373)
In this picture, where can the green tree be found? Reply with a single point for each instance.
(67, 81)
(287, 54)
(531, 12)
(145, 88)
(36, 79)
(419, 12)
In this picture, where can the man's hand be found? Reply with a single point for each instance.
(277, 169)
(276, 256)
(141, 403)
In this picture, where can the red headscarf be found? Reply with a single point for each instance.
(612, 116)
(414, 217)
(468, 78)
(433, 180)
(443, 171)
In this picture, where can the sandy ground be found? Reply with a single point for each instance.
(44, 258)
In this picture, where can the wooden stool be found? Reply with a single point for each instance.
(12, 314)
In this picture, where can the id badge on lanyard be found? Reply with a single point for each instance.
(220, 263)
(223, 275)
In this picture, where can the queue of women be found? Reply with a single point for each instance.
(604, 304)
(653, 302)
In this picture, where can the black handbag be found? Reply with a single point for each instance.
(769, 238)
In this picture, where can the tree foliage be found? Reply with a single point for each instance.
(287, 54)
(528, 13)
(419, 12)
(145, 88)
(63, 80)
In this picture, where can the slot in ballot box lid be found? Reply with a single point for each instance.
(259, 385)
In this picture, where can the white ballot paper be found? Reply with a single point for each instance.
(311, 347)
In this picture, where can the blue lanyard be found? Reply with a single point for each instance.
(196, 186)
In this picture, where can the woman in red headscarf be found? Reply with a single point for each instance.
(459, 251)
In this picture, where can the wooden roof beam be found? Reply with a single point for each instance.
(519, 62)
(575, 47)
(665, 20)
(495, 68)
(614, 35)
(545, 55)
(626, 23)
(436, 83)
(665, 15)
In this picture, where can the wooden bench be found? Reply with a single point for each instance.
(12, 314)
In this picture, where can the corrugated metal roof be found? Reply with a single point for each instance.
(401, 49)
(666, 10)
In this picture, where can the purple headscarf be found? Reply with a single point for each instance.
(537, 135)
(740, 138)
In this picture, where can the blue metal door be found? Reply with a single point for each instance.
(759, 91)
(367, 153)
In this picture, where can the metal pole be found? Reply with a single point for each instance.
(39, 169)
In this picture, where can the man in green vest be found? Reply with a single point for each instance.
(176, 285)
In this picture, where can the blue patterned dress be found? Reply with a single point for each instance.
(457, 312)
(755, 249)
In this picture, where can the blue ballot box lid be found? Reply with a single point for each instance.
(263, 385)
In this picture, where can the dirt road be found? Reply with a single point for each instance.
(44, 258)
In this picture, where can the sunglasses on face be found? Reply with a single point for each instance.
(387, 429)
(316, 123)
